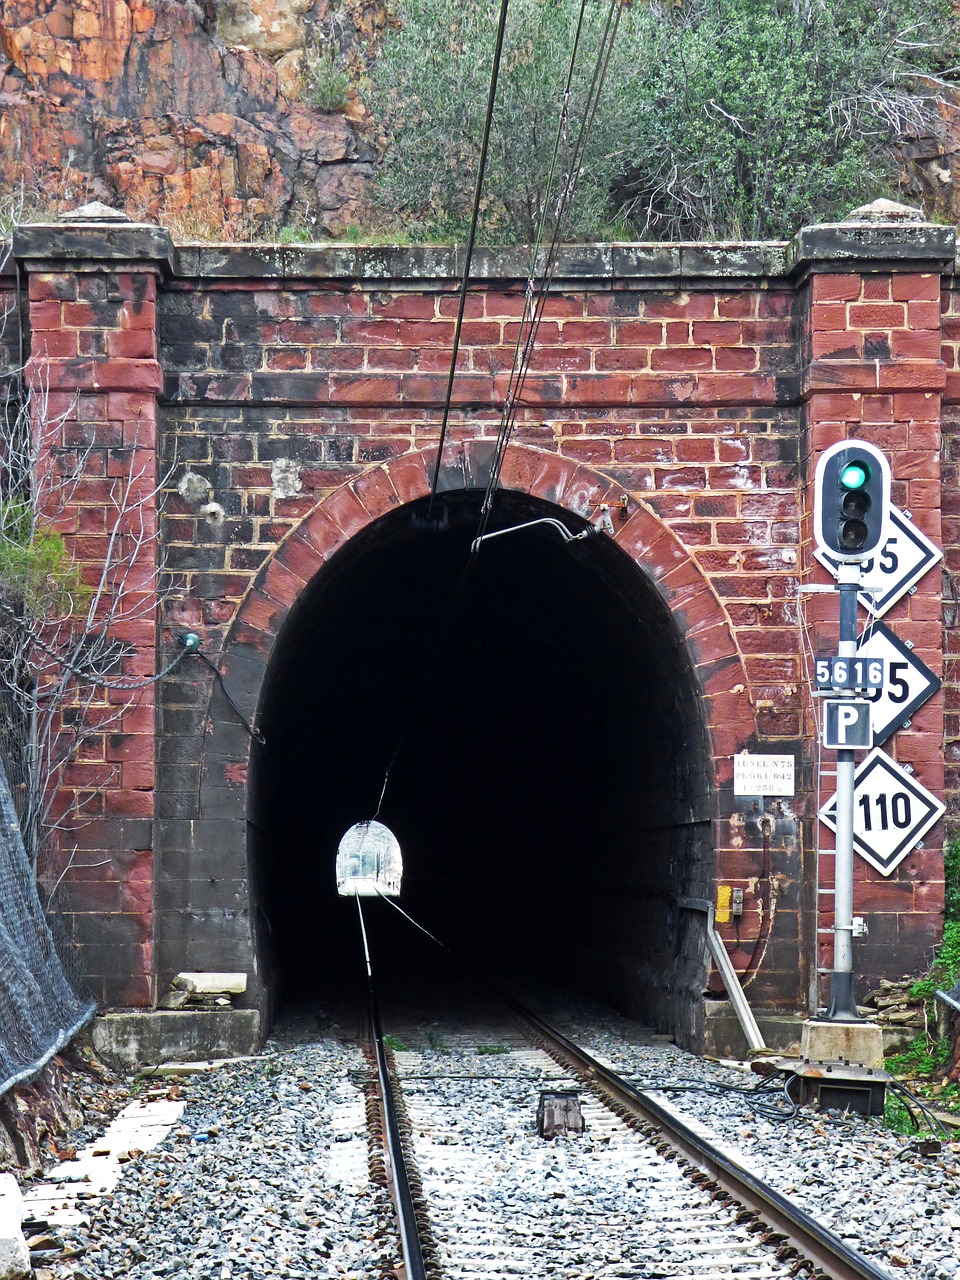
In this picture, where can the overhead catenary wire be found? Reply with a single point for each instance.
(533, 309)
(471, 241)
(534, 302)
(465, 285)
(525, 344)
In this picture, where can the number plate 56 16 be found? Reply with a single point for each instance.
(849, 673)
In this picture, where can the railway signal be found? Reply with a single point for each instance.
(906, 555)
(851, 501)
(850, 524)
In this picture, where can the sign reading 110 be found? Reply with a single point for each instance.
(900, 811)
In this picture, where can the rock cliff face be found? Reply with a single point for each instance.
(196, 113)
(186, 111)
(930, 164)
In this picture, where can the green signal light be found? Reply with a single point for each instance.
(854, 475)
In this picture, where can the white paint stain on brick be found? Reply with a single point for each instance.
(285, 477)
(740, 478)
(194, 488)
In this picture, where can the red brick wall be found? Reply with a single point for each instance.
(950, 526)
(94, 378)
(702, 384)
(876, 374)
(704, 437)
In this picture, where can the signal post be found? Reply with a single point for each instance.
(842, 1053)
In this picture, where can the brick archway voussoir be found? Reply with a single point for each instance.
(542, 474)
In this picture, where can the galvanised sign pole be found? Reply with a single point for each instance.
(851, 515)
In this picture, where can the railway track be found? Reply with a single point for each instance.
(639, 1196)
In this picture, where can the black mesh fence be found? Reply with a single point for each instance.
(41, 1010)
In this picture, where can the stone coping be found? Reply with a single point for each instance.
(829, 246)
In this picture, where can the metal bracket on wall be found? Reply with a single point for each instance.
(741, 1008)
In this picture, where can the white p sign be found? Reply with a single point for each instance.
(846, 724)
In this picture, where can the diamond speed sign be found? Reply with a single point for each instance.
(891, 812)
(907, 685)
(905, 557)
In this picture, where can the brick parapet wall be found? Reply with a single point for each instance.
(950, 479)
(876, 374)
(683, 377)
(94, 377)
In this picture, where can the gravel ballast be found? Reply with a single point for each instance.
(852, 1174)
(267, 1176)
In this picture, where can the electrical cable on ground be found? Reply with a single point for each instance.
(910, 1101)
(759, 1095)
(763, 1096)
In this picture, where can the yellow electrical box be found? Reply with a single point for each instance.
(722, 913)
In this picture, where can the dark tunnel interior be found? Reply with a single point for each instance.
(538, 724)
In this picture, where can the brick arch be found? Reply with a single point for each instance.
(224, 795)
(643, 536)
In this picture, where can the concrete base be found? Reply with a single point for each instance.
(857, 1043)
(724, 1038)
(14, 1254)
(138, 1039)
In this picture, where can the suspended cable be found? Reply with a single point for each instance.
(534, 306)
(471, 240)
(89, 672)
(251, 730)
(564, 203)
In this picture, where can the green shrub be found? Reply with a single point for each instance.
(951, 873)
(719, 118)
(327, 84)
(36, 571)
(429, 93)
(921, 1058)
(945, 970)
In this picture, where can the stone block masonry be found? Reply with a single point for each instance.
(296, 393)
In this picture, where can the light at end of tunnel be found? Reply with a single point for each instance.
(369, 862)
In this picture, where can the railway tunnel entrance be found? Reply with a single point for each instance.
(538, 725)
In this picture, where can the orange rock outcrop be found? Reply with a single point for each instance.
(147, 106)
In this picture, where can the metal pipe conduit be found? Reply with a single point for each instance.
(741, 1008)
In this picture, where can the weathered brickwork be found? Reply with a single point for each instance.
(950, 506)
(876, 373)
(95, 377)
(679, 396)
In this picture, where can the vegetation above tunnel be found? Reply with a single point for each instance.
(720, 119)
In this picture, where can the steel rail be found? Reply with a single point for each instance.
(814, 1242)
(398, 1177)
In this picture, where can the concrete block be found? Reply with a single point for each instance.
(212, 984)
(137, 1039)
(858, 1043)
(723, 1036)
(14, 1254)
